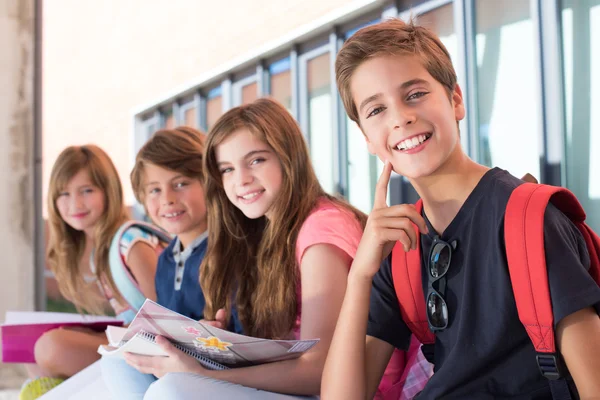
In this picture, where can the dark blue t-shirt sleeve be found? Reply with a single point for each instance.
(567, 259)
(385, 321)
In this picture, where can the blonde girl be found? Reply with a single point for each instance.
(85, 211)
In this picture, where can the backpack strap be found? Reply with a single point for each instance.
(524, 239)
(406, 274)
(122, 277)
(592, 241)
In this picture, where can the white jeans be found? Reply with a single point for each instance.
(187, 386)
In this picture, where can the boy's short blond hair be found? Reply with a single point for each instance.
(392, 37)
(179, 149)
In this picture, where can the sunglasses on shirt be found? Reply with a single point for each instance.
(438, 264)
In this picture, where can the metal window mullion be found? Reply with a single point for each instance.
(539, 86)
(200, 106)
(343, 127)
(226, 94)
(470, 68)
(340, 156)
(295, 79)
(267, 84)
(303, 117)
(553, 93)
(460, 66)
(176, 110)
(261, 78)
(159, 118)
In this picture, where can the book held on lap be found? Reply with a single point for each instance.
(21, 330)
(214, 348)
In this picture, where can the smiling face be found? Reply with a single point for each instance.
(405, 114)
(251, 173)
(175, 202)
(81, 203)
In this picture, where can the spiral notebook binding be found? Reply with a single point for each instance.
(204, 361)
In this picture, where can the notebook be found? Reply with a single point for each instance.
(21, 329)
(214, 348)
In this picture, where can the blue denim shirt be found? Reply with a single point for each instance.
(177, 280)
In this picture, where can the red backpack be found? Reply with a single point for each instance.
(524, 239)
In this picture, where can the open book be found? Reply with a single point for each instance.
(21, 329)
(214, 348)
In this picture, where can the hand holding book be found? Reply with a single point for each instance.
(214, 348)
(175, 360)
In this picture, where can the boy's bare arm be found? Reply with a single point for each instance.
(354, 365)
(354, 368)
(578, 338)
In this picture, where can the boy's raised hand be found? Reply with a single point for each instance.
(386, 225)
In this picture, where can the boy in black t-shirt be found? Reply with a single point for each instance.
(398, 84)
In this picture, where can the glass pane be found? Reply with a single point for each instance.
(581, 54)
(281, 88)
(170, 122)
(319, 114)
(509, 105)
(361, 169)
(249, 93)
(441, 21)
(214, 109)
(190, 117)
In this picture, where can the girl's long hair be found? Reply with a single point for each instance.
(67, 245)
(253, 261)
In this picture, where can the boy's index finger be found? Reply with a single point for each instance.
(381, 187)
(417, 219)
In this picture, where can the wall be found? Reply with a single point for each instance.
(17, 51)
(104, 59)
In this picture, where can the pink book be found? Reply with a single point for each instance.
(21, 330)
(214, 348)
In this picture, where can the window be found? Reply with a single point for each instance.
(249, 93)
(189, 116)
(362, 167)
(145, 129)
(441, 21)
(581, 52)
(169, 120)
(214, 107)
(281, 82)
(320, 113)
(245, 90)
(507, 75)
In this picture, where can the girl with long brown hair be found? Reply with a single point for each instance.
(85, 212)
(279, 248)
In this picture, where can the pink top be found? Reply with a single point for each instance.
(406, 373)
(326, 224)
(329, 224)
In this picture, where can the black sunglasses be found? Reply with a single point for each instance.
(438, 264)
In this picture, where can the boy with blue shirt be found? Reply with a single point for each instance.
(398, 84)
(167, 179)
